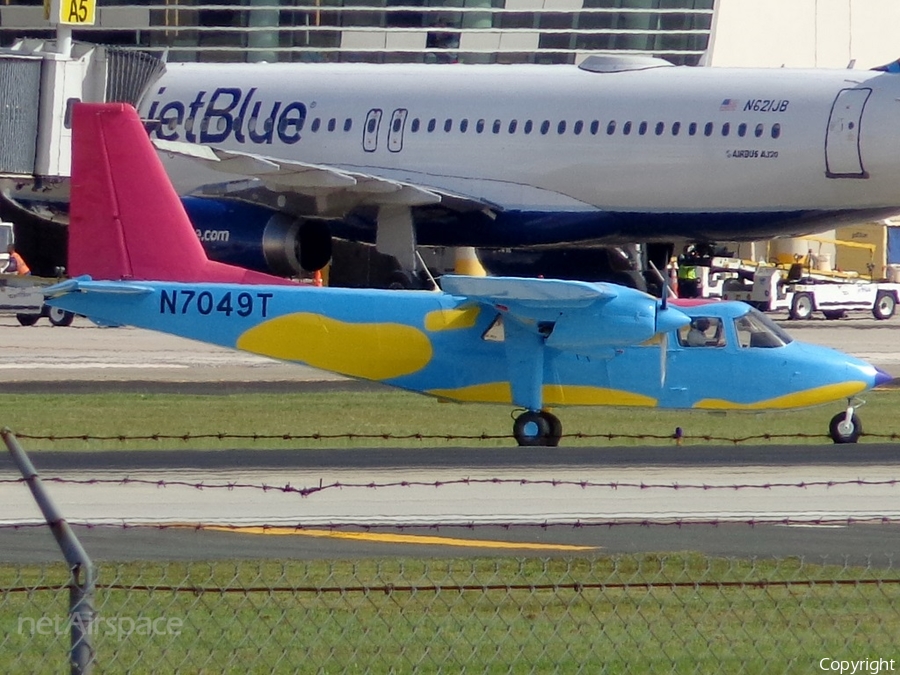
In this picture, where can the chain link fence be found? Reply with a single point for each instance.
(677, 613)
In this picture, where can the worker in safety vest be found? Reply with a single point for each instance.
(16, 264)
(688, 283)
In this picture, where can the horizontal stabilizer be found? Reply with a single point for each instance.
(86, 284)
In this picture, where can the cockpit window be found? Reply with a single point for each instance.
(703, 331)
(755, 329)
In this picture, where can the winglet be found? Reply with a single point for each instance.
(126, 220)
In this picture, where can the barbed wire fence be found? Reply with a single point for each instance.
(591, 613)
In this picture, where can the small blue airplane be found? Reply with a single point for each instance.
(529, 343)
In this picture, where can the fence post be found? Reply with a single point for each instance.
(81, 588)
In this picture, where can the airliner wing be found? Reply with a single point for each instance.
(315, 180)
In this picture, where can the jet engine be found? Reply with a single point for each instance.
(258, 238)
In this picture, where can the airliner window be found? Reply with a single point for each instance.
(692, 129)
(463, 125)
(398, 122)
(448, 125)
(561, 127)
(726, 129)
(595, 127)
(512, 126)
(479, 126)
(660, 128)
(496, 127)
(755, 329)
(578, 128)
(611, 128)
(676, 127)
(545, 126)
(626, 128)
(742, 129)
(776, 130)
(414, 127)
(332, 123)
(432, 123)
(370, 125)
(348, 124)
(642, 128)
(529, 125)
(317, 123)
(759, 130)
(708, 129)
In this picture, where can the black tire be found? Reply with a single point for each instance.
(27, 319)
(885, 304)
(59, 317)
(832, 314)
(842, 432)
(400, 281)
(802, 306)
(555, 429)
(532, 429)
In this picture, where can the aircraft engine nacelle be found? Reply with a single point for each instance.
(258, 238)
(621, 320)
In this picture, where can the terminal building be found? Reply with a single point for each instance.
(792, 33)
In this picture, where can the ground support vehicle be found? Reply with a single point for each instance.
(23, 297)
(801, 293)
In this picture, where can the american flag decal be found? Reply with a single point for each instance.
(728, 105)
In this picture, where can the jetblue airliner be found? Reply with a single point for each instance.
(617, 149)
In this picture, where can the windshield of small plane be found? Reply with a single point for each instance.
(755, 329)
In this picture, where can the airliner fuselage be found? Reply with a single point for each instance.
(557, 153)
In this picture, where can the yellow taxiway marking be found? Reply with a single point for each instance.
(400, 538)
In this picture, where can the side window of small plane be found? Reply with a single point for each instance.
(512, 126)
(448, 125)
(332, 123)
(561, 127)
(660, 128)
(414, 127)
(742, 129)
(626, 128)
(776, 130)
(595, 127)
(759, 130)
(578, 128)
(432, 123)
(496, 127)
(611, 128)
(479, 126)
(545, 127)
(726, 129)
(463, 125)
(348, 124)
(702, 331)
(692, 129)
(708, 129)
(642, 128)
(676, 128)
(529, 125)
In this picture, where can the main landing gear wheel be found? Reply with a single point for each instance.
(60, 317)
(537, 429)
(843, 430)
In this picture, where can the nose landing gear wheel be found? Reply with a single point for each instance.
(537, 429)
(843, 431)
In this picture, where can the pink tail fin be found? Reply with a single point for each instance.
(126, 221)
